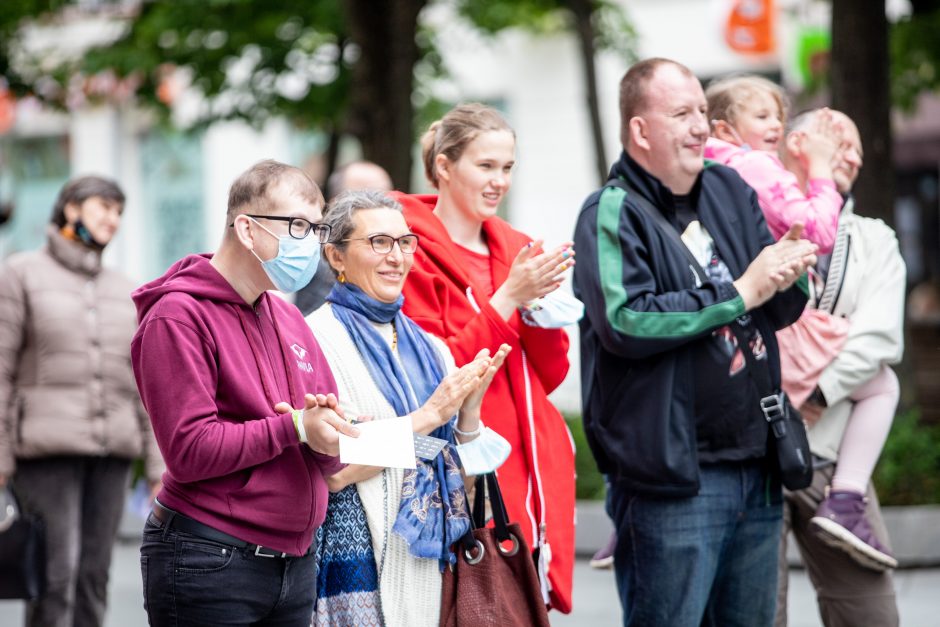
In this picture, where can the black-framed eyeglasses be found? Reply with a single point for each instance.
(299, 228)
(382, 243)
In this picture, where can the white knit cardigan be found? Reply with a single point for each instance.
(409, 587)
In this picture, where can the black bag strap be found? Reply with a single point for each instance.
(477, 517)
(487, 487)
(771, 400)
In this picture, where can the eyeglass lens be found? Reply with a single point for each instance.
(382, 244)
(300, 228)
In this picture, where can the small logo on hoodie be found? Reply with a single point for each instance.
(302, 362)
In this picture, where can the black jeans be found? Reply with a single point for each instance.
(190, 581)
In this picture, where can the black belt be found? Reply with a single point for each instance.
(174, 520)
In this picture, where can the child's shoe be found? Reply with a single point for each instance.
(840, 522)
(604, 558)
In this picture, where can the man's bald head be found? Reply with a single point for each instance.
(359, 175)
(849, 157)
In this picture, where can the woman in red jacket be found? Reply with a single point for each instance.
(473, 275)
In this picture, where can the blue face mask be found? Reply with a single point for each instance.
(295, 263)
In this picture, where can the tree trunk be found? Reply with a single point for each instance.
(381, 115)
(584, 28)
(330, 165)
(861, 89)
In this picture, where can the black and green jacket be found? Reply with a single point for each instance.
(645, 316)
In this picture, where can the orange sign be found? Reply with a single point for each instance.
(750, 27)
(7, 110)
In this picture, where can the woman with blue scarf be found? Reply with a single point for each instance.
(388, 531)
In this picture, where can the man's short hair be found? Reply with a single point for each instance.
(81, 189)
(252, 190)
(633, 88)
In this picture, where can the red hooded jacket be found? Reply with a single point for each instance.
(537, 481)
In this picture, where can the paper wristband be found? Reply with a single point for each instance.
(298, 416)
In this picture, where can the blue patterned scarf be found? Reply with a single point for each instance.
(433, 512)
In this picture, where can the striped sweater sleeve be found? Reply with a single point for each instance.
(634, 317)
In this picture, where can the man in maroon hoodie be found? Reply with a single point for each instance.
(230, 537)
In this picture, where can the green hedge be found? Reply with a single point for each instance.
(908, 472)
(589, 484)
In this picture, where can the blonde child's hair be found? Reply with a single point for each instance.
(727, 96)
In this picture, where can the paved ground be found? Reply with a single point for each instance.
(595, 597)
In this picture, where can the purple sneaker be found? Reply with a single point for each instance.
(840, 522)
(604, 558)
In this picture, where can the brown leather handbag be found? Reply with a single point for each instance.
(494, 582)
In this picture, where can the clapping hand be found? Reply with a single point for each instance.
(534, 273)
(323, 422)
(451, 393)
(797, 255)
(474, 400)
(776, 268)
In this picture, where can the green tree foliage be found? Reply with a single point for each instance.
(14, 14)
(343, 66)
(612, 29)
(915, 56)
(250, 59)
(596, 24)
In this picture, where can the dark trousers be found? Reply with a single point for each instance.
(708, 560)
(81, 500)
(193, 582)
(847, 594)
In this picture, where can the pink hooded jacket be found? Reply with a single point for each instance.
(780, 195)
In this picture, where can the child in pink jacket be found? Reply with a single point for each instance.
(747, 115)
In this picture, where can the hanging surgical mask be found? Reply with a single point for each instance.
(485, 453)
(553, 311)
(295, 263)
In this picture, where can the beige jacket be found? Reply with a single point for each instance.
(866, 284)
(66, 384)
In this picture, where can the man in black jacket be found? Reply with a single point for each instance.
(670, 405)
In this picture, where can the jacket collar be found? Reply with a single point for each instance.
(649, 186)
(437, 245)
(73, 255)
(848, 206)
